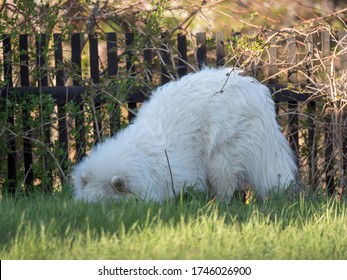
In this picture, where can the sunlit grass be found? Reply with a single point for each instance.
(190, 227)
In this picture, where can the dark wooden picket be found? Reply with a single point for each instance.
(11, 157)
(24, 80)
(201, 49)
(165, 57)
(62, 124)
(182, 67)
(112, 66)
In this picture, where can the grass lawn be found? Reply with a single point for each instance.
(190, 227)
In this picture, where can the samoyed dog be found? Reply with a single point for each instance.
(215, 130)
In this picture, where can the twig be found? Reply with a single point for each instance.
(168, 163)
(226, 81)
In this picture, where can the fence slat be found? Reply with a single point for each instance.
(272, 51)
(94, 74)
(24, 60)
(182, 68)
(220, 49)
(62, 117)
(112, 59)
(42, 80)
(329, 148)
(311, 123)
(11, 143)
(201, 49)
(76, 76)
(272, 68)
(165, 58)
(41, 45)
(148, 57)
(342, 35)
(94, 58)
(311, 143)
(309, 54)
(27, 146)
(7, 52)
(76, 58)
(58, 58)
(293, 105)
(112, 71)
(329, 158)
(129, 42)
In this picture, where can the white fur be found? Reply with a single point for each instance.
(219, 130)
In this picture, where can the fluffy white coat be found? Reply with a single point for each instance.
(218, 130)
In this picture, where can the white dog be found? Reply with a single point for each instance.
(214, 129)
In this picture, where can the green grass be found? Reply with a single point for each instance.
(190, 227)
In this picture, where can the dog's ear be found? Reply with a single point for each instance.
(119, 184)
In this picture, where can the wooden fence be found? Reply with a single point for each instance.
(20, 154)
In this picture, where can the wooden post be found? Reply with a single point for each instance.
(95, 76)
(165, 54)
(148, 57)
(11, 143)
(293, 105)
(272, 68)
(311, 123)
(220, 49)
(182, 55)
(329, 133)
(112, 71)
(42, 81)
(77, 73)
(27, 146)
(201, 49)
(343, 68)
(112, 59)
(62, 117)
(129, 41)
